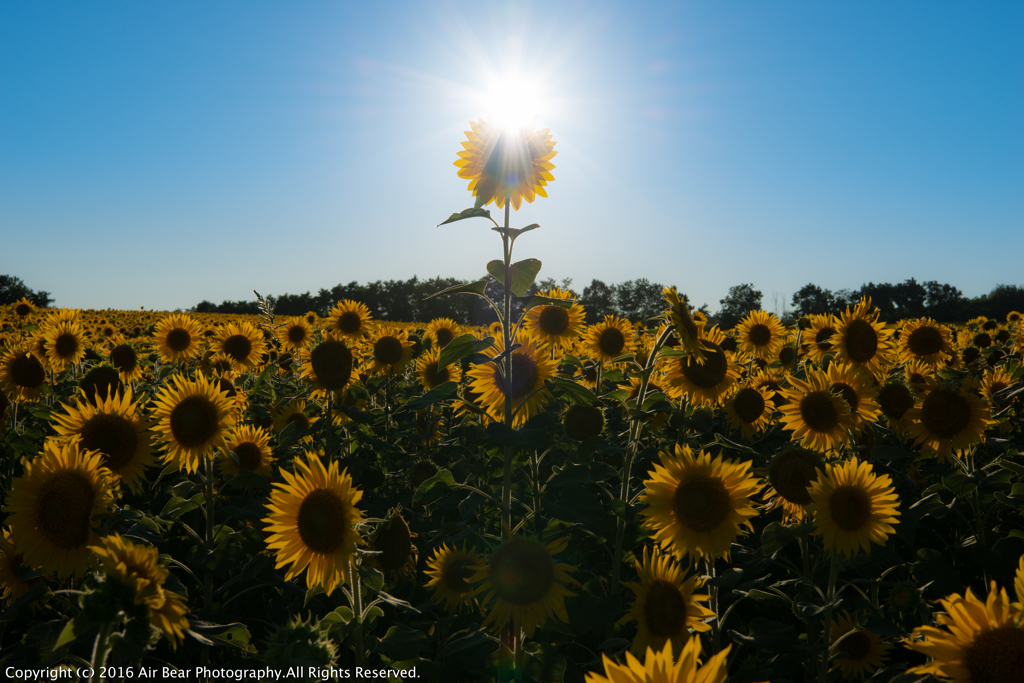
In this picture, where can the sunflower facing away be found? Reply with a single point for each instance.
(761, 334)
(662, 667)
(192, 418)
(393, 540)
(852, 507)
(53, 505)
(864, 651)
(531, 367)
(349, 319)
(790, 474)
(820, 419)
(948, 421)
(312, 523)
(178, 338)
(697, 505)
(555, 326)
(506, 164)
(450, 571)
(666, 608)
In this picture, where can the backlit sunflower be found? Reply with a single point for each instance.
(65, 344)
(666, 608)
(531, 367)
(192, 419)
(760, 335)
(53, 507)
(430, 375)
(242, 343)
(125, 359)
(292, 413)
(818, 339)
(178, 338)
(523, 584)
(442, 331)
(22, 375)
(662, 667)
(296, 334)
(393, 540)
(450, 571)
(817, 417)
(246, 447)
(688, 325)
(329, 366)
(138, 567)
(921, 376)
(349, 319)
(99, 382)
(924, 340)
(555, 326)
(582, 422)
(115, 427)
(610, 339)
(389, 349)
(11, 566)
(790, 474)
(506, 164)
(861, 339)
(312, 523)
(994, 381)
(771, 379)
(707, 383)
(697, 505)
(750, 410)
(852, 507)
(864, 651)
(948, 421)
(857, 387)
(895, 400)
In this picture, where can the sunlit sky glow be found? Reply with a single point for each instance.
(159, 154)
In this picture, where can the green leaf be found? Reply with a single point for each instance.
(475, 212)
(513, 233)
(477, 288)
(443, 477)
(577, 393)
(400, 642)
(312, 593)
(462, 346)
(617, 395)
(66, 635)
(538, 300)
(523, 274)
(234, 635)
(441, 392)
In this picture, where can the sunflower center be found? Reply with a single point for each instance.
(554, 320)
(850, 506)
(786, 355)
(22, 310)
(582, 422)
(791, 473)
(456, 575)
(818, 412)
(945, 413)
(925, 341)
(433, 376)
(664, 609)
(712, 372)
(66, 345)
(701, 503)
(178, 339)
(332, 364)
(749, 404)
(388, 350)
(996, 655)
(349, 322)
(982, 341)
(297, 334)
(238, 346)
(123, 358)
(194, 421)
(759, 335)
(611, 342)
(861, 341)
(64, 509)
(100, 382)
(524, 376)
(444, 336)
(27, 372)
(823, 336)
(522, 572)
(112, 435)
(300, 418)
(395, 545)
(249, 455)
(848, 393)
(323, 522)
(857, 646)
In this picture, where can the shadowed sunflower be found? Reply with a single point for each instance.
(242, 343)
(661, 667)
(895, 400)
(820, 419)
(861, 339)
(177, 338)
(115, 427)
(531, 367)
(349, 319)
(125, 359)
(706, 383)
(65, 344)
(393, 541)
(857, 387)
(23, 308)
(430, 375)
(507, 164)
(610, 339)
(450, 571)
(53, 505)
(11, 567)
(389, 349)
(819, 337)
(138, 567)
(790, 474)
(312, 523)
(329, 367)
(296, 334)
(442, 331)
(192, 418)
(555, 326)
(924, 340)
(864, 651)
(750, 410)
(760, 335)
(852, 507)
(292, 413)
(251, 450)
(99, 382)
(526, 585)
(948, 421)
(689, 327)
(921, 376)
(22, 375)
(666, 608)
(994, 381)
(582, 422)
(698, 506)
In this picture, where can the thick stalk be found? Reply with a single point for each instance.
(833, 572)
(208, 588)
(506, 489)
(100, 650)
(330, 425)
(357, 597)
(716, 629)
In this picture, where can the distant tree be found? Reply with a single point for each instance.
(812, 299)
(741, 300)
(638, 300)
(944, 302)
(1000, 301)
(598, 300)
(13, 289)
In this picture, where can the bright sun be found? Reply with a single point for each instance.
(512, 102)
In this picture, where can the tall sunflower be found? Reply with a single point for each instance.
(861, 339)
(506, 164)
(312, 522)
(609, 339)
(705, 383)
(531, 367)
(450, 571)
(178, 337)
(853, 507)
(22, 374)
(53, 507)
(816, 416)
(247, 447)
(948, 421)
(393, 540)
(924, 340)
(349, 319)
(389, 349)
(662, 667)
(761, 334)
(555, 326)
(697, 505)
(242, 343)
(442, 331)
(192, 418)
(666, 608)
(750, 410)
(330, 366)
(864, 652)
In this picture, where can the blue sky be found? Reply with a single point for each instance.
(159, 154)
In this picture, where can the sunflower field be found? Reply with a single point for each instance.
(549, 498)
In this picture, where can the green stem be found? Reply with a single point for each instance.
(506, 489)
(210, 505)
(357, 597)
(716, 628)
(330, 424)
(100, 650)
(833, 572)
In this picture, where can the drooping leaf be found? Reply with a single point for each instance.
(441, 392)
(573, 391)
(464, 214)
(477, 288)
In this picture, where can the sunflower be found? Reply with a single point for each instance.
(816, 416)
(11, 567)
(52, 507)
(555, 326)
(65, 344)
(138, 567)
(242, 343)
(790, 474)
(982, 643)
(178, 338)
(707, 383)
(760, 334)
(442, 331)
(895, 400)
(329, 367)
(993, 382)
(924, 340)
(857, 387)
(389, 348)
(696, 505)
(292, 412)
(99, 382)
(115, 427)
(125, 359)
(312, 522)
(582, 422)
(430, 375)
(949, 421)
(661, 667)
(666, 608)
(610, 339)
(688, 325)
(450, 571)
(771, 379)
(852, 507)
(349, 319)
(921, 376)
(526, 585)
(864, 651)
(246, 447)
(192, 418)
(507, 164)
(22, 375)
(530, 369)
(818, 337)
(861, 339)
(296, 334)
(23, 308)
(393, 541)
(750, 410)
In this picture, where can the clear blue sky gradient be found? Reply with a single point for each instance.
(158, 154)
